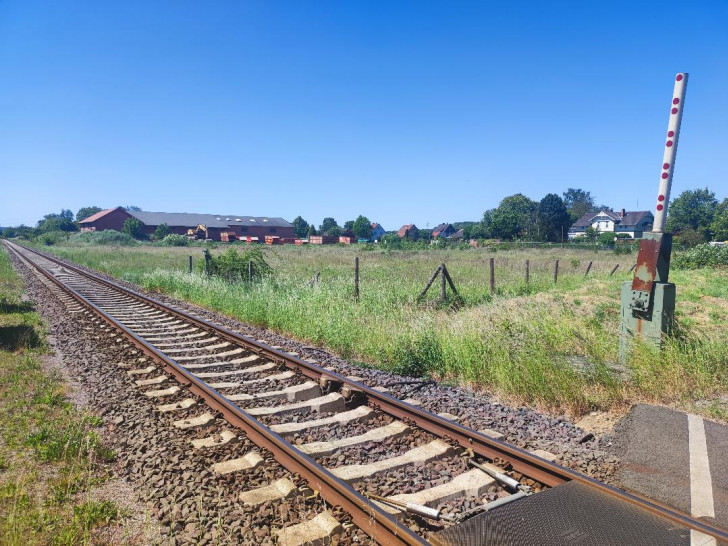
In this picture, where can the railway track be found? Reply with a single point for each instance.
(329, 430)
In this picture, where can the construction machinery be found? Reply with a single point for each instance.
(200, 232)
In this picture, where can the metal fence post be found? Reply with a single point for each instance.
(556, 271)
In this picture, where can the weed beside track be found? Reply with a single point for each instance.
(552, 346)
(50, 453)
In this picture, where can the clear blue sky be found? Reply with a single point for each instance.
(403, 111)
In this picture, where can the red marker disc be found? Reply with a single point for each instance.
(660, 207)
(676, 101)
(671, 133)
(664, 176)
(661, 198)
(669, 143)
(666, 166)
(674, 110)
(679, 77)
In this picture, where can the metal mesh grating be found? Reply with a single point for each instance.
(566, 515)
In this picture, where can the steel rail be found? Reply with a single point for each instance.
(370, 518)
(526, 463)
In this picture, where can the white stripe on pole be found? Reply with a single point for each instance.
(668, 160)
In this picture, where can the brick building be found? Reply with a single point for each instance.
(180, 222)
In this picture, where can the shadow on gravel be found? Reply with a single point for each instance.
(16, 337)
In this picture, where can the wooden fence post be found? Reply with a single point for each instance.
(190, 264)
(447, 276)
(492, 275)
(356, 278)
(613, 270)
(556, 271)
(528, 270)
(588, 268)
(207, 261)
(443, 283)
(429, 283)
(250, 271)
(632, 268)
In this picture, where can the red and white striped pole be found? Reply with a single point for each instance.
(668, 161)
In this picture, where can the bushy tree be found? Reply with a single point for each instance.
(606, 238)
(577, 202)
(719, 225)
(349, 224)
(85, 212)
(553, 218)
(362, 227)
(689, 237)
(133, 227)
(334, 231)
(591, 234)
(693, 209)
(132, 208)
(57, 222)
(235, 267)
(423, 235)
(515, 216)
(327, 225)
(311, 231)
(300, 227)
(161, 232)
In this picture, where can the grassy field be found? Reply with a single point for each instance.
(50, 455)
(545, 344)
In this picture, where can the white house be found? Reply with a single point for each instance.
(632, 223)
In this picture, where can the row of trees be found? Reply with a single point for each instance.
(518, 216)
(360, 228)
(697, 216)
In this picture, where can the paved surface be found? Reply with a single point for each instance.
(665, 458)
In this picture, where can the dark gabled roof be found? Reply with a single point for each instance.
(178, 219)
(254, 220)
(405, 228)
(635, 217)
(442, 230)
(375, 225)
(585, 220)
(98, 215)
(630, 218)
(588, 218)
(187, 219)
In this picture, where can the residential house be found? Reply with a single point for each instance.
(632, 223)
(444, 231)
(377, 232)
(407, 231)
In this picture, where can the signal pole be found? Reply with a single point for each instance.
(648, 300)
